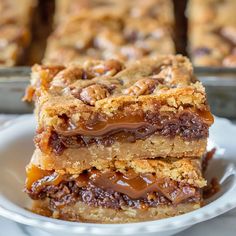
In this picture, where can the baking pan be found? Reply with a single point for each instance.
(13, 82)
(220, 85)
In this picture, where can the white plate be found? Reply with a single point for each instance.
(16, 147)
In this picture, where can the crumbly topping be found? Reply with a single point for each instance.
(109, 87)
(89, 95)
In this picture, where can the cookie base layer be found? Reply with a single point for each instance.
(84, 213)
(76, 160)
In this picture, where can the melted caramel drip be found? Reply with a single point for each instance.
(43, 177)
(34, 173)
(137, 186)
(206, 116)
(134, 185)
(103, 126)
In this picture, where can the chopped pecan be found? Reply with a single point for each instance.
(113, 67)
(67, 76)
(142, 87)
(95, 69)
(110, 67)
(93, 93)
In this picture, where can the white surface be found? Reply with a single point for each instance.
(19, 146)
(224, 225)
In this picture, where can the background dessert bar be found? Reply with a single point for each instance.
(161, 10)
(15, 33)
(124, 30)
(212, 32)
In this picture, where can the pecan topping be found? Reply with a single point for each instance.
(67, 76)
(113, 67)
(142, 87)
(93, 93)
(110, 67)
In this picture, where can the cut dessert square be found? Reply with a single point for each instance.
(147, 190)
(162, 10)
(212, 32)
(14, 30)
(106, 110)
(103, 34)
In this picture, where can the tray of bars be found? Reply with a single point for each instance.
(61, 31)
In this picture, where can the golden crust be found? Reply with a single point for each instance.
(183, 170)
(175, 88)
(76, 160)
(84, 213)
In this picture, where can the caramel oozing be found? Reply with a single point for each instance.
(136, 186)
(101, 125)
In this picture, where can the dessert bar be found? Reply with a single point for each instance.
(162, 10)
(212, 32)
(111, 36)
(117, 142)
(101, 33)
(14, 30)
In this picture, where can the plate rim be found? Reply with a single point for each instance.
(221, 205)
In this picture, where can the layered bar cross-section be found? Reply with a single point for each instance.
(118, 142)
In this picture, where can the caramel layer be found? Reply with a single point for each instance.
(188, 125)
(135, 186)
(102, 125)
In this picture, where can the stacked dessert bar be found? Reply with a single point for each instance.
(14, 30)
(212, 32)
(118, 142)
(124, 30)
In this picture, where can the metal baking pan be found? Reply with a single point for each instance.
(13, 82)
(220, 85)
